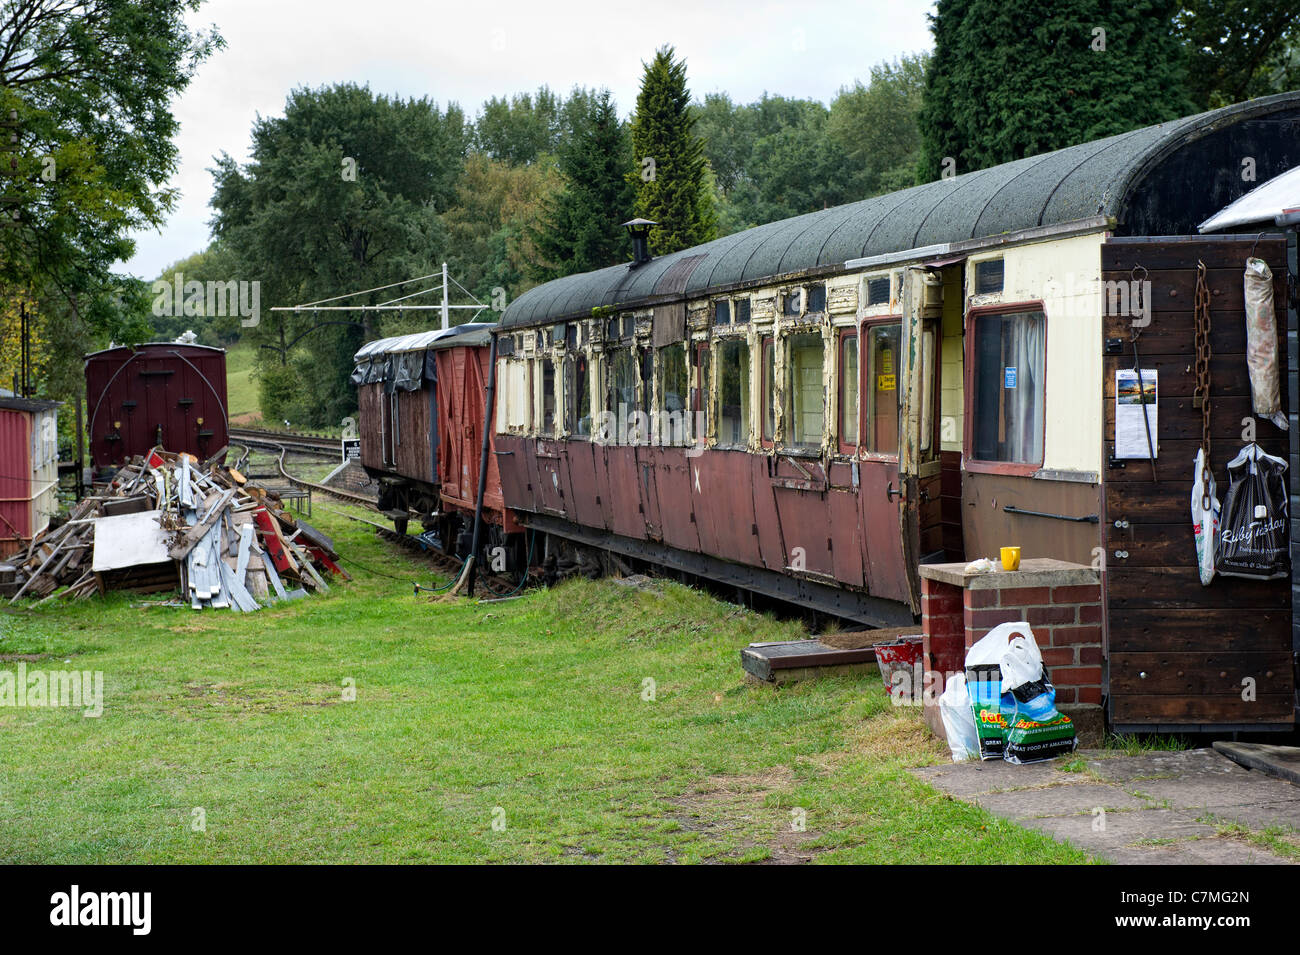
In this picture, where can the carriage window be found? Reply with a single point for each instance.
(883, 350)
(548, 396)
(794, 302)
(647, 379)
(672, 394)
(620, 400)
(742, 310)
(577, 398)
(849, 390)
(733, 392)
(1010, 359)
(878, 291)
(928, 344)
(805, 393)
(722, 312)
(699, 424)
(769, 389)
(817, 297)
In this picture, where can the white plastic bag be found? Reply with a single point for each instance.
(958, 720)
(988, 649)
(1021, 662)
(1205, 517)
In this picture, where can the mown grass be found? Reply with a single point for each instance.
(533, 713)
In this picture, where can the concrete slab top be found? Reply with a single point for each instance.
(1033, 572)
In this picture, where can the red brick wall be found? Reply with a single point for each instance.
(1066, 622)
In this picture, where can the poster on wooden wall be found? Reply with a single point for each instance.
(1136, 413)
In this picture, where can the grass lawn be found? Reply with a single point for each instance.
(241, 387)
(527, 713)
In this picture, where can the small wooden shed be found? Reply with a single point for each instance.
(29, 469)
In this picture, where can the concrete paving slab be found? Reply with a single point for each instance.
(1197, 790)
(1282, 815)
(972, 778)
(1215, 851)
(1066, 800)
(1180, 764)
(1118, 830)
(1280, 761)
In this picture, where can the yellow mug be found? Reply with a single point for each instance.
(1011, 558)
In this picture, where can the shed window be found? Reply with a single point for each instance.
(672, 394)
(849, 391)
(769, 390)
(805, 394)
(1010, 359)
(733, 392)
(884, 348)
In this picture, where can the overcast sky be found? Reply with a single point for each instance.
(468, 51)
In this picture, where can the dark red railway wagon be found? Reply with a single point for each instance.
(420, 400)
(158, 394)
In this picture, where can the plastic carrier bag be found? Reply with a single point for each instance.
(1261, 343)
(1253, 534)
(958, 720)
(984, 686)
(1035, 728)
(1205, 517)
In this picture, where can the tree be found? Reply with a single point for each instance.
(1239, 49)
(876, 126)
(581, 230)
(216, 263)
(669, 164)
(519, 130)
(343, 193)
(89, 86)
(1013, 78)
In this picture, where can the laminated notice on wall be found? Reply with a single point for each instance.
(1136, 413)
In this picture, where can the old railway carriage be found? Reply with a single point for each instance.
(813, 407)
(420, 401)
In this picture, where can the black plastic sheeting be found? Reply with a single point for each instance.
(1091, 179)
(406, 362)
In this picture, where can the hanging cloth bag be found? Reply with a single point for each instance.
(1261, 343)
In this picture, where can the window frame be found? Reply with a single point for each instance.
(766, 402)
(787, 406)
(842, 336)
(864, 382)
(969, 461)
(718, 346)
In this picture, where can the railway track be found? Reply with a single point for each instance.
(304, 443)
(495, 585)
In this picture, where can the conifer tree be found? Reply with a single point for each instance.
(670, 171)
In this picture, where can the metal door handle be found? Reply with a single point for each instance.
(891, 493)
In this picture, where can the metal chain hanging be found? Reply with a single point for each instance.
(1201, 395)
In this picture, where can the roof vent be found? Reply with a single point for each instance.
(639, 230)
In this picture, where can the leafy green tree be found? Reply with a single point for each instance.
(581, 227)
(520, 129)
(89, 86)
(216, 263)
(343, 193)
(1240, 49)
(1013, 78)
(669, 172)
(875, 126)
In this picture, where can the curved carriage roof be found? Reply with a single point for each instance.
(470, 333)
(149, 345)
(1079, 182)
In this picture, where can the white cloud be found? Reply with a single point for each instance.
(466, 52)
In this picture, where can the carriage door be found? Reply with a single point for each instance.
(919, 469)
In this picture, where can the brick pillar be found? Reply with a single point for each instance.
(943, 646)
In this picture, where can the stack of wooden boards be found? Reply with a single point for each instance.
(165, 523)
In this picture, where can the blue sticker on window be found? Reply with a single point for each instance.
(1009, 377)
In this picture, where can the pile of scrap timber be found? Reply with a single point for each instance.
(167, 523)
